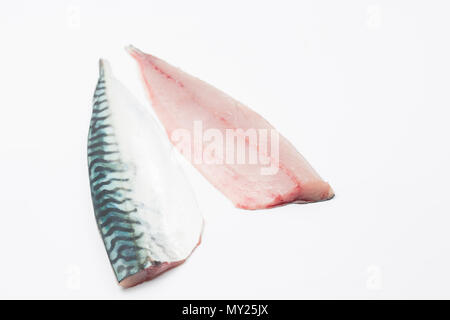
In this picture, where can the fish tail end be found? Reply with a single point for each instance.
(134, 52)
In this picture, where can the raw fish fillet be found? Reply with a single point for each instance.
(181, 100)
(146, 212)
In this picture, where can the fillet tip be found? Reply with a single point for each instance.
(134, 52)
(331, 194)
(103, 66)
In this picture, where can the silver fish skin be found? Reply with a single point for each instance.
(145, 209)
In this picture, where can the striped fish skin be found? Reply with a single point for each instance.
(144, 207)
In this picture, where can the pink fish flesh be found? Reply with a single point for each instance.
(184, 103)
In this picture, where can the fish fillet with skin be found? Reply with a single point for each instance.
(145, 210)
(183, 102)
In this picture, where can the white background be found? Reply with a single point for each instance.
(361, 88)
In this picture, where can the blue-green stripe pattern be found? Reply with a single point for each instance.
(111, 189)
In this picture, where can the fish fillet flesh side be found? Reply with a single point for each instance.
(181, 100)
(145, 209)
